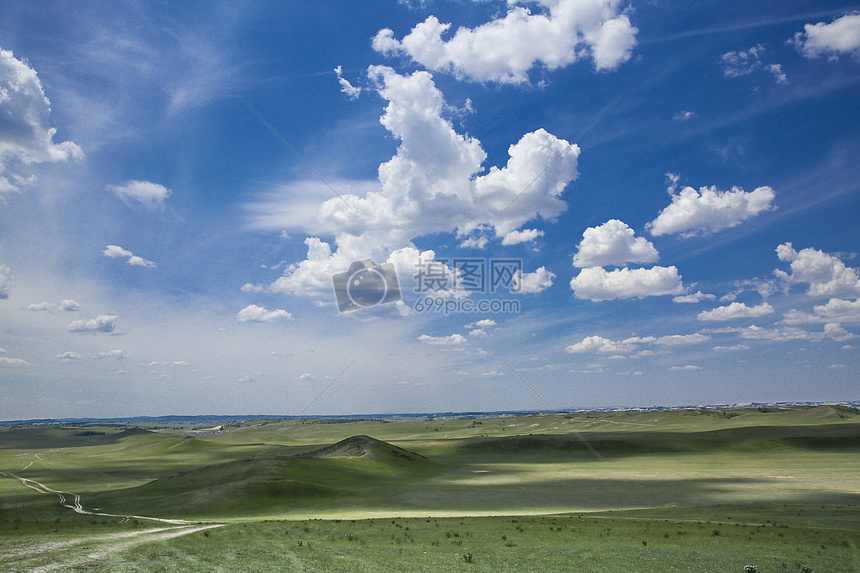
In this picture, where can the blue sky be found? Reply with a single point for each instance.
(679, 184)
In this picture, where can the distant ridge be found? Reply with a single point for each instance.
(362, 447)
(216, 419)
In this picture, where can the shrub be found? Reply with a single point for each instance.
(467, 557)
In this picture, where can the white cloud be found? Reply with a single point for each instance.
(104, 323)
(115, 354)
(687, 368)
(731, 348)
(681, 339)
(5, 282)
(735, 310)
(842, 36)
(684, 115)
(834, 331)
(505, 49)
(25, 135)
(825, 274)
(13, 362)
(778, 75)
(599, 345)
(150, 195)
(431, 185)
(453, 340)
(694, 298)
(115, 251)
(251, 288)
(710, 210)
(66, 305)
(351, 91)
(772, 334)
(478, 333)
(483, 323)
(742, 63)
(476, 241)
(836, 310)
(254, 313)
(595, 283)
(524, 236)
(70, 356)
(613, 243)
(492, 374)
(531, 283)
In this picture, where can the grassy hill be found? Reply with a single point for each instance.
(324, 477)
(690, 490)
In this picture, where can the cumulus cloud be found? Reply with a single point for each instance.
(66, 305)
(840, 37)
(150, 195)
(687, 368)
(596, 283)
(115, 354)
(505, 49)
(115, 251)
(254, 313)
(70, 356)
(102, 324)
(601, 345)
(524, 236)
(825, 274)
(681, 339)
(613, 243)
(13, 362)
(431, 185)
(351, 91)
(835, 332)
(480, 327)
(25, 135)
(694, 297)
(709, 210)
(778, 75)
(453, 340)
(742, 63)
(530, 283)
(5, 282)
(735, 310)
(785, 334)
(836, 310)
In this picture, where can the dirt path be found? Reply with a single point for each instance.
(73, 553)
(75, 503)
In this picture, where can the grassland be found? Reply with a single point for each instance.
(690, 490)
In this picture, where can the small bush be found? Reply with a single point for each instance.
(467, 557)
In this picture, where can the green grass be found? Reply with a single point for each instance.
(777, 485)
(704, 539)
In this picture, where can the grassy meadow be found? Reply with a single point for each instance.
(690, 490)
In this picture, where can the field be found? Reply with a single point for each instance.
(690, 490)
